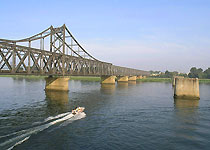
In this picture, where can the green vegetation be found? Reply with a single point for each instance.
(83, 78)
(98, 79)
(167, 80)
(166, 74)
(194, 73)
(24, 76)
(204, 80)
(199, 73)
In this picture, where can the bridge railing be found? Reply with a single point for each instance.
(124, 71)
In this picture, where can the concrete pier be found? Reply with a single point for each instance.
(186, 88)
(122, 79)
(139, 77)
(132, 78)
(108, 79)
(173, 79)
(57, 83)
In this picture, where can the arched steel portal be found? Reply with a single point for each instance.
(54, 51)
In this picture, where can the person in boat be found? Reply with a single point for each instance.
(74, 111)
(77, 110)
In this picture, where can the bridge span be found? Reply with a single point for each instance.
(55, 52)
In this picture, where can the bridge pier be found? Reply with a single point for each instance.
(108, 79)
(57, 84)
(122, 79)
(139, 77)
(132, 78)
(186, 88)
(173, 79)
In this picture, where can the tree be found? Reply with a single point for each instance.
(183, 74)
(168, 74)
(206, 73)
(195, 73)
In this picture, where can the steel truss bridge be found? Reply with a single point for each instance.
(54, 52)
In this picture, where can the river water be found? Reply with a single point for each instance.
(141, 115)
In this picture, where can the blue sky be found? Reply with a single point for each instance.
(143, 34)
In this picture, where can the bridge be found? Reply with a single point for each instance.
(56, 53)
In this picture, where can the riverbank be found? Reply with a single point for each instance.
(204, 80)
(98, 79)
(24, 76)
(83, 78)
(168, 80)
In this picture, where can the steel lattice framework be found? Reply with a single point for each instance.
(54, 51)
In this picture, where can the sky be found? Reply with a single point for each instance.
(160, 35)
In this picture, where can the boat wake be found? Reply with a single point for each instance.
(16, 138)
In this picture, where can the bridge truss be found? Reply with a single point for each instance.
(54, 51)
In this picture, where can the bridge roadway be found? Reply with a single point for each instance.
(64, 57)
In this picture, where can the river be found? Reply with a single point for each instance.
(141, 115)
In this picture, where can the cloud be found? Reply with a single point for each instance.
(148, 55)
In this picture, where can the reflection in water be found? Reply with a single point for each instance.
(108, 88)
(26, 79)
(34, 79)
(18, 80)
(58, 99)
(186, 116)
(132, 82)
(185, 103)
(122, 85)
(144, 112)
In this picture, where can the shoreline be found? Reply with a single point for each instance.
(98, 79)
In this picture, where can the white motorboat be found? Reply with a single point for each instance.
(78, 110)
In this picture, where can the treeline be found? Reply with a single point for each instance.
(194, 73)
(199, 73)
